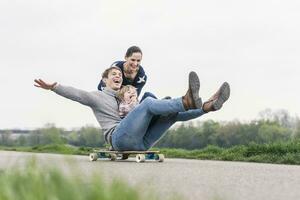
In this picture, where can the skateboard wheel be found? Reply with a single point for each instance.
(113, 156)
(160, 157)
(93, 156)
(125, 156)
(140, 158)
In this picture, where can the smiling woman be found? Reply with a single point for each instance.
(133, 73)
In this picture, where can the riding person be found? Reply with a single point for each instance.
(135, 132)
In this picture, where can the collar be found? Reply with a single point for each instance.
(109, 91)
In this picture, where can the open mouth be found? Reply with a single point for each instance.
(117, 81)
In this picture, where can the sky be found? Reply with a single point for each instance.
(253, 45)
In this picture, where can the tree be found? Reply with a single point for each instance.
(297, 129)
(91, 136)
(281, 116)
(6, 139)
(51, 135)
(21, 141)
(273, 132)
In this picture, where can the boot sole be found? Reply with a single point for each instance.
(224, 95)
(194, 85)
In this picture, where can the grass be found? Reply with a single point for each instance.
(277, 153)
(53, 148)
(35, 183)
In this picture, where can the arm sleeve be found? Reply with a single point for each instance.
(140, 86)
(101, 85)
(80, 96)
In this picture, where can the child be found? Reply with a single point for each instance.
(128, 99)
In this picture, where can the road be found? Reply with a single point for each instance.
(189, 179)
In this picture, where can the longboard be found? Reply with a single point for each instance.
(140, 156)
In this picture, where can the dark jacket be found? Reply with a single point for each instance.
(138, 82)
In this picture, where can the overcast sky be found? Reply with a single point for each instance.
(254, 45)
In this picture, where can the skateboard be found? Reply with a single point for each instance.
(140, 156)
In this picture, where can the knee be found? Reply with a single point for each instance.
(148, 94)
(148, 100)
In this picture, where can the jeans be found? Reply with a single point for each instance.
(136, 133)
(147, 94)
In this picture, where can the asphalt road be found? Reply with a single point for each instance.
(189, 179)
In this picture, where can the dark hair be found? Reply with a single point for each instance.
(133, 49)
(106, 72)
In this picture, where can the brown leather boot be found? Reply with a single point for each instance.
(216, 101)
(191, 99)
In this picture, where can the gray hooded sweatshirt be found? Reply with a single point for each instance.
(103, 103)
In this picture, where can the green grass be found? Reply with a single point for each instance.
(52, 148)
(34, 183)
(279, 153)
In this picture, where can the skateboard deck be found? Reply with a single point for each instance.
(140, 156)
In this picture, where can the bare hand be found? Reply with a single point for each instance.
(133, 99)
(41, 84)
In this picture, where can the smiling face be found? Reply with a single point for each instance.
(114, 79)
(133, 62)
(130, 94)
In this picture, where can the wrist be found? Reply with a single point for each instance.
(54, 86)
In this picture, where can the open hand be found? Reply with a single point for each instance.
(42, 84)
(133, 99)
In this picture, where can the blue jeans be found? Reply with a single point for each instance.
(147, 94)
(135, 132)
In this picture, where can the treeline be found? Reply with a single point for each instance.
(269, 128)
(227, 135)
(87, 136)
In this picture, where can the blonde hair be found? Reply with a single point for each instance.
(121, 92)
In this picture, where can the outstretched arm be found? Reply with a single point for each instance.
(83, 97)
(42, 84)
